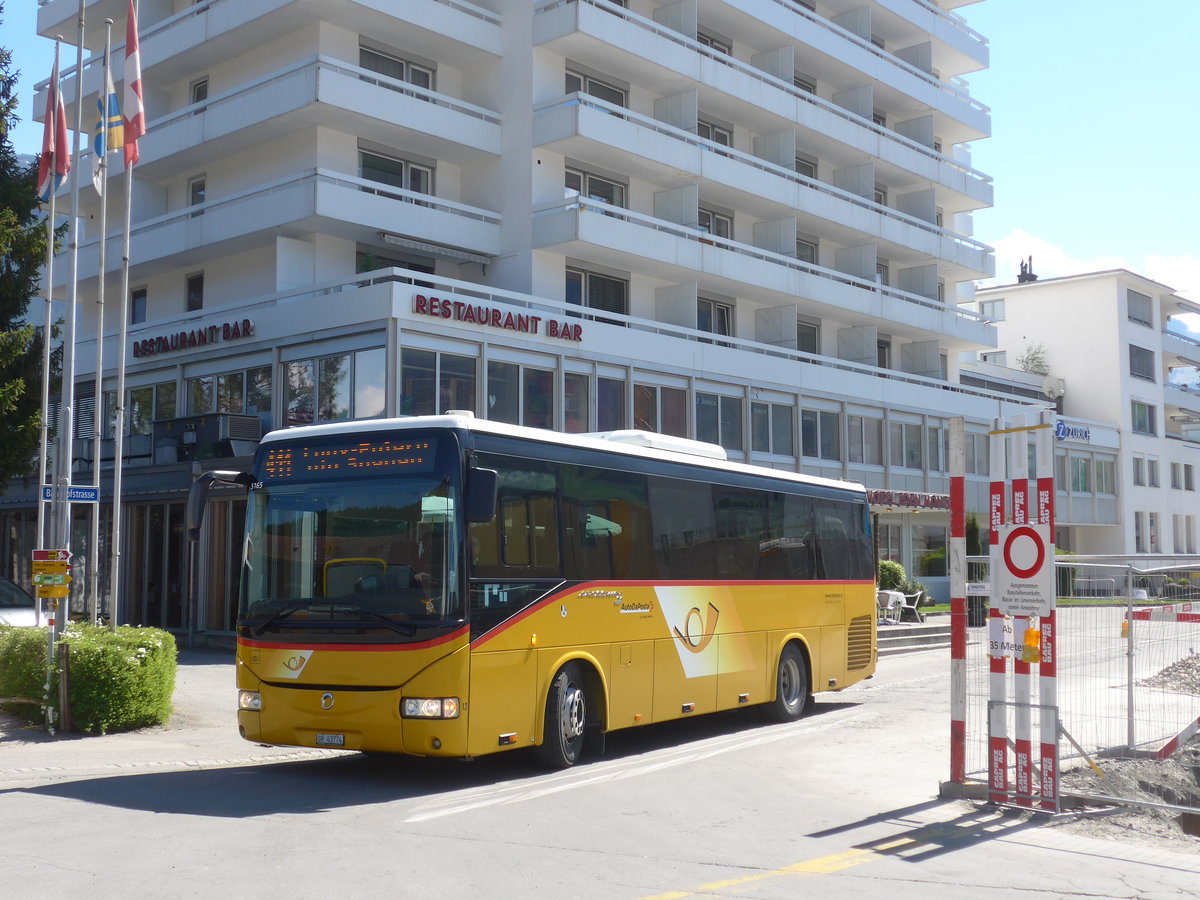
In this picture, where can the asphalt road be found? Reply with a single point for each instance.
(840, 804)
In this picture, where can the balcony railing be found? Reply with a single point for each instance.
(957, 93)
(201, 7)
(763, 165)
(953, 18)
(309, 177)
(747, 251)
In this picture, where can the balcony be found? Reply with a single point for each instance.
(610, 38)
(353, 100)
(318, 200)
(663, 250)
(587, 128)
(959, 48)
(1183, 346)
(1180, 403)
(211, 32)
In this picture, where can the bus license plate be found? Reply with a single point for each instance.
(331, 740)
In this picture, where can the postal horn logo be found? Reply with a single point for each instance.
(698, 629)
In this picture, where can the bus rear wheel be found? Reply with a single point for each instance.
(566, 719)
(792, 689)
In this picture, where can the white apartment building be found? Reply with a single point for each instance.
(742, 221)
(1116, 356)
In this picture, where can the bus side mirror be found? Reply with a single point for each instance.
(481, 494)
(198, 496)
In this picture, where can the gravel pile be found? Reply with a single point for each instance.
(1183, 676)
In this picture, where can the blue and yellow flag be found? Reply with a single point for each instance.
(110, 130)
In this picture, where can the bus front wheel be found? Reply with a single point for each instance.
(792, 690)
(566, 719)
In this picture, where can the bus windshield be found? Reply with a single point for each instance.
(351, 553)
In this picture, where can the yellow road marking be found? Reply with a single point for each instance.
(824, 865)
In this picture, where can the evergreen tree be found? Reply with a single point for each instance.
(22, 253)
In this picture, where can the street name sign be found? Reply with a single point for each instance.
(75, 493)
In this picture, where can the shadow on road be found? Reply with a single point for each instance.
(916, 842)
(355, 779)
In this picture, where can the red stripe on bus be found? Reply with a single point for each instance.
(355, 648)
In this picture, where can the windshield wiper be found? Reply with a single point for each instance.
(405, 628)
(282, 613)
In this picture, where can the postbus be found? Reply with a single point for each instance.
(450, 586)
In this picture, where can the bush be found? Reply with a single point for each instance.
(23, 669)
(890, 575)
(120, 679)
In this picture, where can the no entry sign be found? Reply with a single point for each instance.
(1023, 582)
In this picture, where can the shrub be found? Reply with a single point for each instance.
(890, 575)
(120, 679)
(23, 669)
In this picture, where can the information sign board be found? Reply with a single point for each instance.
(1023, 571)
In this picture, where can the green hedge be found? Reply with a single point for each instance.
(120, 679)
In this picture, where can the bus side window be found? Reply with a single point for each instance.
(530, 535)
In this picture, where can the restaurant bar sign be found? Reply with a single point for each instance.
(908, 500)
(195, 337)
(481, 314)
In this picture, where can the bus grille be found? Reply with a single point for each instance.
(858, 643)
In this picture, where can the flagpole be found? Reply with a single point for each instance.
(51, 124)
(130, 133)
(98, 417)
(66, 420)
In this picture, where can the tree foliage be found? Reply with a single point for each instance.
(22, 252)
(1033, 360)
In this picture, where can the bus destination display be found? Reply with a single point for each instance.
(355, 457)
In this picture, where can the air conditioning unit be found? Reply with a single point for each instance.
(210, 436)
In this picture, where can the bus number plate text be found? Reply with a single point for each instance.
(331, 740)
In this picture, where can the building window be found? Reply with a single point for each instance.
(333, 388)
(194, 291)
(977, 455)
(597, 291)
(244, 391)
(610, 404)
(934, 445)
(576, 408)
(433, 383)
(881, 273)
(721, 45)
(806, 250)
(719, 420)
(714, 223)
(1140, 308)
(395, 171)
(579, 83)
(715, 133)
(929, 550)
(198, 92)
(150, 404)
(1139, 532)
(137, 306)
(1139, 471)
(1143, 417)
(1081, 475)
(821, 434)
(883, 354)
(714, 317)
(880, 195)
(866, 440)
(805, 83)
(1176, 476)
(808, 336)
(1189, 479)
(595, 187)
(771, 429)
(1141, 362)
(995, 357)
(1106, 476)
(197, 188)
(806, 166)
(879, 117)
(992, 310)
(904, 444)
(1151, 471)
(395, 67)
(660, 409)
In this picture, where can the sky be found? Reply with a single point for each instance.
(1094, 134)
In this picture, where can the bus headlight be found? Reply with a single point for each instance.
(250, 700)
(429, 708)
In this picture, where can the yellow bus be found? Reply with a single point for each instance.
(449, 586)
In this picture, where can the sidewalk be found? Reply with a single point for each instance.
(201, 733)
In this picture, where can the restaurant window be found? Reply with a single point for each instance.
(771, 428)
(866, 440)
(821, 434)
(719, 420)
(335, 388)
(660, 409)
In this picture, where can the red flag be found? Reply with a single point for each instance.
(135, 115)
(55, 161)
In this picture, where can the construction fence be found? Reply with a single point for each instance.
(1127, 641)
